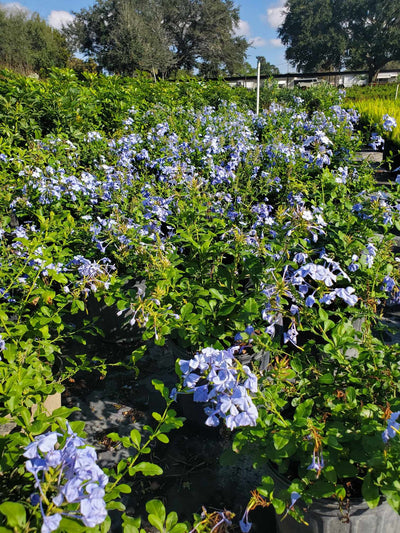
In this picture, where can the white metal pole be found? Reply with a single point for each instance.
(258, 86)
(397, 90)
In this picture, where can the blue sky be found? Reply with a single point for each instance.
(259, 20)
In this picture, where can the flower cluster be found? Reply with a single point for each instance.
(70, 474)
(392, 427)
(376, 141)
(94, 274)
(297, 288)
(389, 123)
(217, 378)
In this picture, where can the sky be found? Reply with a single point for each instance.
(259, 20)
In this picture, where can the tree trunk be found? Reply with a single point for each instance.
(373, 72)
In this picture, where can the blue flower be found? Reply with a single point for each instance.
(244, 523)
(388, 284)
(310, 300)
(346, 294)
(392, 427)
(369, 253)
(317, 463)
(44, 443)
(76, 477)
(376, 141)
(389, 123)
(294, 496)
(2, 344)
(50, 523)
(224, 387)
(291, 335)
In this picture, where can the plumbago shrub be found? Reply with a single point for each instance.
(257, 243)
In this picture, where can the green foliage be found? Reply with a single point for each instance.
(28, 44)
(192, 220)
(70, 105)
(126, 36)
(325, 35)
(306, 30)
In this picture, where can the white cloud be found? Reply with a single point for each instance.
(275, 15)
(258, 42)
(58, 19)
(276, 43)
(242, 29)
(13, 7)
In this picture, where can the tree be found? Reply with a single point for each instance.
(48, 47)
(374, 34)
(159, 36)
(215, 50)
(27, 43)
(266, 68)
(313, 33)
(122, 36)
(331, 34)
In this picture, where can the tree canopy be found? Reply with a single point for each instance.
(160, 36)
(331, 34)
(266, 69)
(28, 44)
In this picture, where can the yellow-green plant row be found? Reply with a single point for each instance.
(373, 103)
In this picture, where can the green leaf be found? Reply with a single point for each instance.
(161, 388)
(124, 488)
(217, 295)
(109, 300)
(80, 305)
(156, 522)
(25, 416)
(15, 514)
(346, 469)
(351, 394)
(116, 506)
(330, 473)
(106, 525)
(156, 507)
(130, 524)
(147, 469)
(72, 526)
(226, 308)
(267, 483)
(163, 438)
(280, 441)
(178, 528)
(322, 489)
(370, 492)
(138, 354)
(340, 493)
(186, 310)
(136, 438)
(304, 409)
(334, 443)
(251, 306)
(323, 315)
(326, 379)
(279, 505)
(172, 519)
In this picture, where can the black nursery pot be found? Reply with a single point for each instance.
(326, 515)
